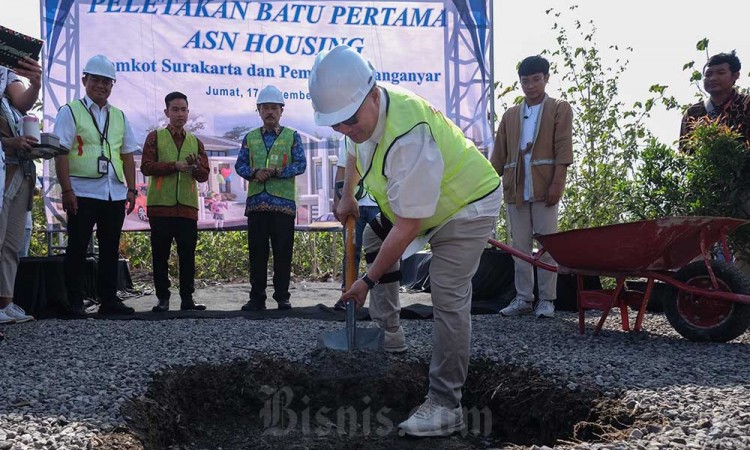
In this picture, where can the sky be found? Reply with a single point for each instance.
(662, 34)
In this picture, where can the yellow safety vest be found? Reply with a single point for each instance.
(279, 156)
(467, 174)
(90, 144)
(177, 188)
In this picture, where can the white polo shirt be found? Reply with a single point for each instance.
(107, 187)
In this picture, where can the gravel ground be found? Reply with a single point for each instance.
(66, 380)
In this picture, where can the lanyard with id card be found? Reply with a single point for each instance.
(103, 164)
(102, 161)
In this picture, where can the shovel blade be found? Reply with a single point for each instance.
(364, 339)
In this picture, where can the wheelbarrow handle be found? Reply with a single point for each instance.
(533, 260)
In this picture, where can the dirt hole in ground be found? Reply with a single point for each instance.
(339, 400)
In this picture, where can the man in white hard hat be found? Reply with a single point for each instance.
(97, 179)
(432, 185)
(270, 158)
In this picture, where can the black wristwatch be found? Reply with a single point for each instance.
(133, 191)
(370, 284)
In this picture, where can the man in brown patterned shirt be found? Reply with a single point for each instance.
(175, 160)
(725, 103)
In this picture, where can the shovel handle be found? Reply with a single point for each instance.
(350, 271)
(350, 274)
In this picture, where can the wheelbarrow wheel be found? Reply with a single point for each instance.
(704, 319)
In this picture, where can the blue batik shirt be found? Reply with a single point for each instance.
(265, 202)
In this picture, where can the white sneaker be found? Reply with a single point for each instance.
(516, 308)
(432, 419)
(545, 308)
(394, 342)
(4, 318)
(17, 313)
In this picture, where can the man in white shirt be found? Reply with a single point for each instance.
(432, 185)
(97, 179)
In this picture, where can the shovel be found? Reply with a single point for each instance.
(351, 338)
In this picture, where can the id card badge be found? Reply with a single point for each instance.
(103, 165)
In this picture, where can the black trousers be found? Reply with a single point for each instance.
(279, 228)
(184, 232)
(108, 216)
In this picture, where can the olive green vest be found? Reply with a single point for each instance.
(467, 174)
(89, 145)
(279, 156)
(177, 188)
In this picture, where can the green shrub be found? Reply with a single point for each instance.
(711, 179)
(223, 255)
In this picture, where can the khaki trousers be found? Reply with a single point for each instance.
(12, 233)
(456, 250)
(523, 222)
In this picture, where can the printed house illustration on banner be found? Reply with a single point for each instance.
(314, 187)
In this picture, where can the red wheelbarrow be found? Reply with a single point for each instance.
(712, 302)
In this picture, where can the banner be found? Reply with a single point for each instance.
(222, 53)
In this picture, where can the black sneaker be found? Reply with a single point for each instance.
(115, 308)
(340, 306)
(253, 305)
(75, 312)
(284, 304)
(192, 306)
(162, 306)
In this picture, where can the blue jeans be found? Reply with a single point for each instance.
(366, 214)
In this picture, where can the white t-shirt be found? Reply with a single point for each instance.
(2, 175)
(7, 76)
(107, 187)
(367, 200)
(528, 134)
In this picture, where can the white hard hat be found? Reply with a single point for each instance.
(339, 82)
(100, 65)
(270, 94)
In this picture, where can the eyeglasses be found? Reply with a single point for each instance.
(353, 119)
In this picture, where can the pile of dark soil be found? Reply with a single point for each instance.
(356, 400)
